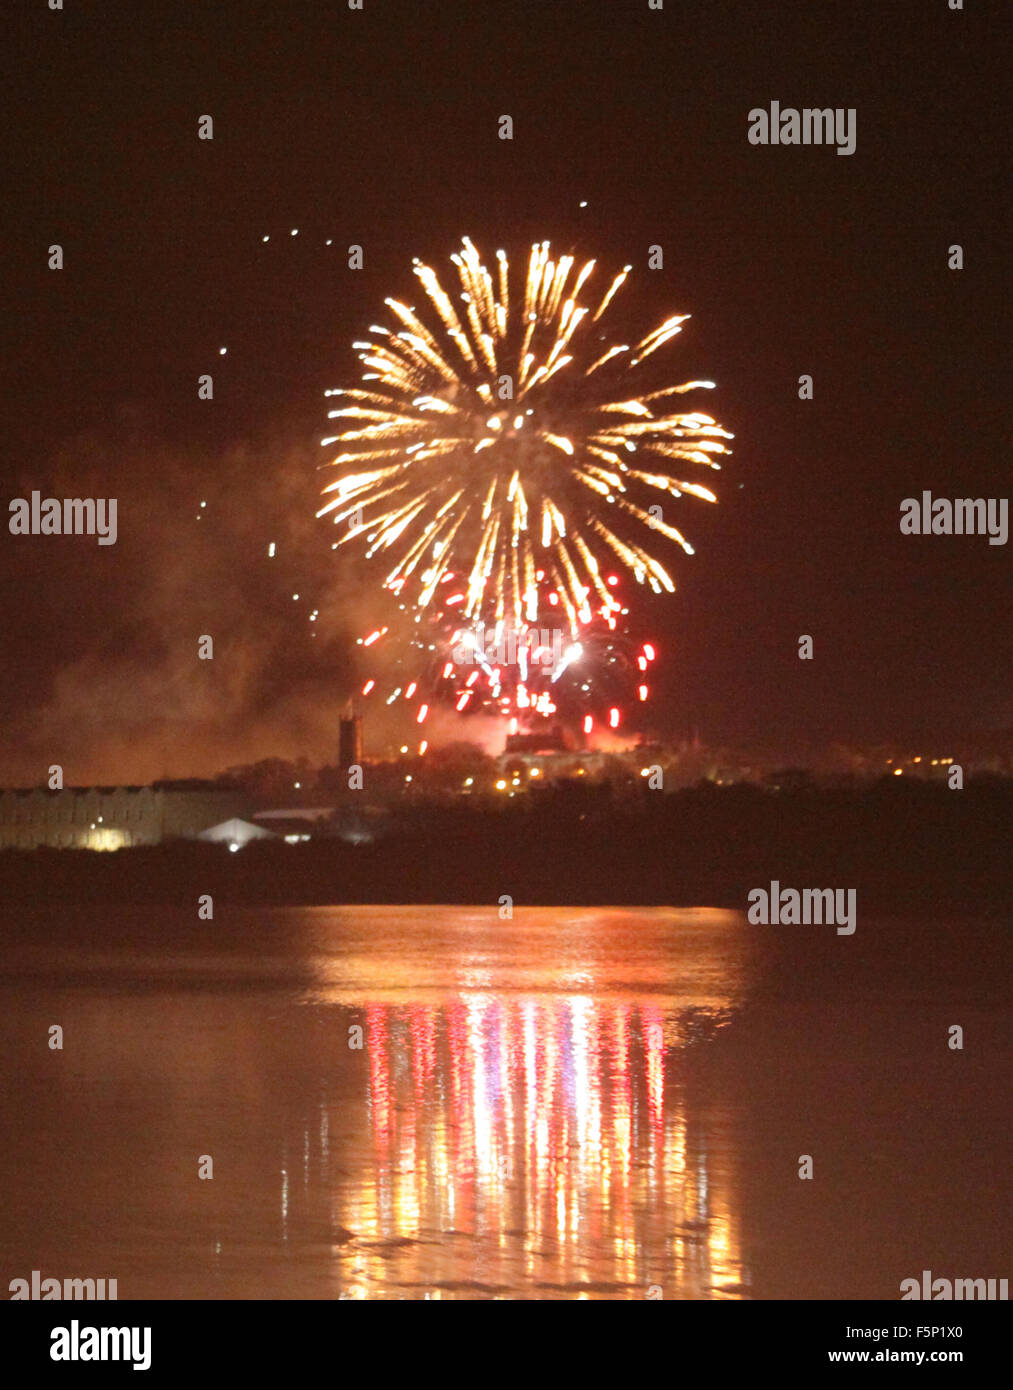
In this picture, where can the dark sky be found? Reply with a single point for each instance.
(380, 128)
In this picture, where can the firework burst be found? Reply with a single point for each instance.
(499, 459)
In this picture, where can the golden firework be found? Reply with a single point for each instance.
(507, 445)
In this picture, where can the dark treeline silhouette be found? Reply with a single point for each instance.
(904, 848)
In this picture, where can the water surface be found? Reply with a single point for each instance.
(596, 1103)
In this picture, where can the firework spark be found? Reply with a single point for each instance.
(501, 458)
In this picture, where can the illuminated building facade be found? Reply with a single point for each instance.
(106, 818)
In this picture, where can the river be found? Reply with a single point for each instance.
(431, 1102)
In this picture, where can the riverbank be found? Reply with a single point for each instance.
(902, 849)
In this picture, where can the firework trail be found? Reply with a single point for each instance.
(501, 459)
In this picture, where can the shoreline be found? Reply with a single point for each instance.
(905, 851)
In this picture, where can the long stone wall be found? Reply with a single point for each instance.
(111, 817)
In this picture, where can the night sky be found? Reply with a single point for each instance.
(380, 128)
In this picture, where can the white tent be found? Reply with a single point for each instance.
(236, 832)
